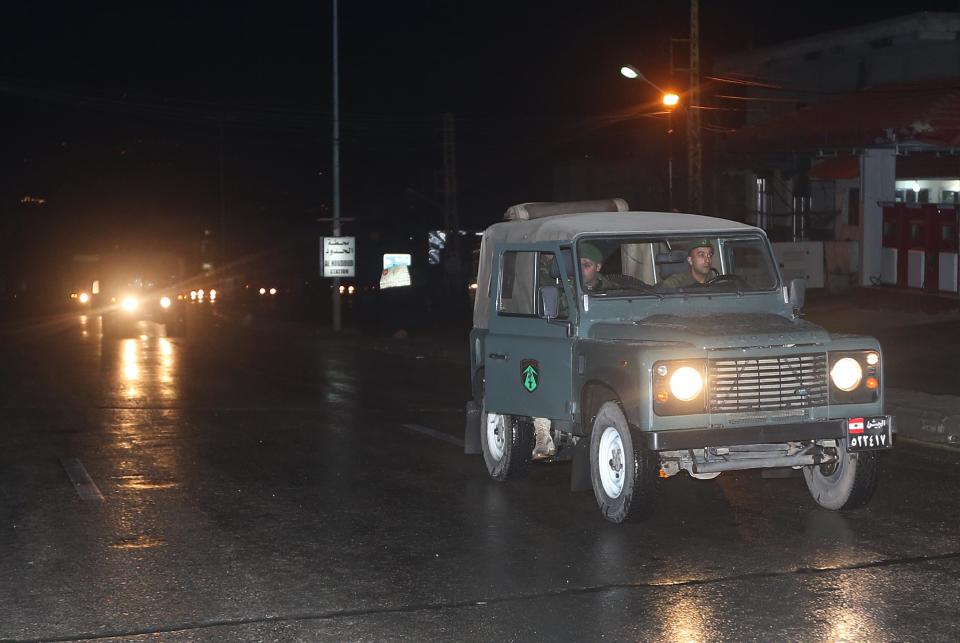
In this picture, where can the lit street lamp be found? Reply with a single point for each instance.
(670, 101)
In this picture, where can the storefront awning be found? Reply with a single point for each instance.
(925, 113)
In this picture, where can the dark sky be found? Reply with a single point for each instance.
(114, 112)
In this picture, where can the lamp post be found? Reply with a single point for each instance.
(670, 100)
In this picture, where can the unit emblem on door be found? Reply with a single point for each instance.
(530, 374)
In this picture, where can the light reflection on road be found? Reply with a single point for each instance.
(146, 370)
(142, 387)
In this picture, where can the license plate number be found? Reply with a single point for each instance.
(868, 434)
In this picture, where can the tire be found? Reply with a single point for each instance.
(846, 484)
(507, 445)
(625, 476)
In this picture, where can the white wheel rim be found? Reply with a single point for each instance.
(611, 462)
(496, 435)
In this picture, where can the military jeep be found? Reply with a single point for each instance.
(645, 378)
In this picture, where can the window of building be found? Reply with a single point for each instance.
(853, 207)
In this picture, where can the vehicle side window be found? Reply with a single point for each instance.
(549, 273)
(517, 280)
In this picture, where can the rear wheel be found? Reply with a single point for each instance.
(624, 474)
(847, 483)
(507, 444)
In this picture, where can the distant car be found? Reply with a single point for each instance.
(595, 323)
(122, 302)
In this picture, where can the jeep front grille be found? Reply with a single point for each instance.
(767, 383)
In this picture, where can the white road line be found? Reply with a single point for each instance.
(82, 482)
(433, 433)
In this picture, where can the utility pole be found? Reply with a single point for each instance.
(223, 209)
(694, 147)
(451, 216)
(335, 290)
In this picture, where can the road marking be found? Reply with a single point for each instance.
(81, 480)
(433, 433)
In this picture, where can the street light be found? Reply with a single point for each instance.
(670, 100)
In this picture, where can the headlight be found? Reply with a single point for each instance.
(686, 383)
(165, 302)
(855, 376)
(84, 298)
(679, 386)
(129, 304)
(846, 374)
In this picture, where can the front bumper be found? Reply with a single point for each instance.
(679, 439)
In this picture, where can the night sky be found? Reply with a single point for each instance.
(117, 115)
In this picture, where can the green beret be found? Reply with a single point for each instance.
(591, 252)
(700, 243)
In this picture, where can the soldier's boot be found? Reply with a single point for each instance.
(544, 447)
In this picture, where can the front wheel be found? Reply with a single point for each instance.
(625, 476)
(846, 483)
(507, 444)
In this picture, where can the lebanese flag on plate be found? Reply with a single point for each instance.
(855, 425)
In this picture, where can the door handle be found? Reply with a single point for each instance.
(503, 356)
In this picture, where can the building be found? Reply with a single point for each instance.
(851, 141)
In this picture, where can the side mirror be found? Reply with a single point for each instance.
(549, 297)
(798, 291)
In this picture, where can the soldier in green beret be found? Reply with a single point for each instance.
(700, 258)
(591, 262)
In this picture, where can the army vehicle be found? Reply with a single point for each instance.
(649, 375)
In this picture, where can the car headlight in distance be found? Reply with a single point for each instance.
(84, 298)
(129, 304)
(686, 383)
(846, 374)
(165, 302)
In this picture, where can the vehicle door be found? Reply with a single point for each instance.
(528, 359)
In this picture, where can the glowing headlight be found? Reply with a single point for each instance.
(165, 302)
(846, 374)
(84, 298)
(686, 383)
(129, 304)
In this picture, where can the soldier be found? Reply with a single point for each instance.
(700, 259)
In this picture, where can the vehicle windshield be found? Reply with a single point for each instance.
(662, 266)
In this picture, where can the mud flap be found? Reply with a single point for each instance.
(471, 433)
(580, 472)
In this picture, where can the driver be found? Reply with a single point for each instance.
(700, 258)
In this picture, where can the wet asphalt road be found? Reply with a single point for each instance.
(277, 486)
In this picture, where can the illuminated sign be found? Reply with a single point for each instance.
(391, 259)
(338, 257)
